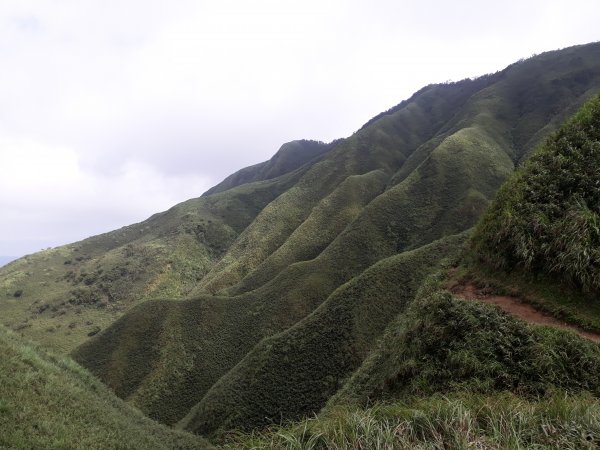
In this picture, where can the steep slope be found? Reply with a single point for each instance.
(50, 402)
(293, 373)
(546, 219)
(444, 365)
(426, 170)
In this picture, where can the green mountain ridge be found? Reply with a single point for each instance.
(456, 373)
(461, 155)
(277, 292)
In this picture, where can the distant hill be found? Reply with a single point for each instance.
(289, 157)
(257, 302)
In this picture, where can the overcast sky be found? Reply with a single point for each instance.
(112, 110)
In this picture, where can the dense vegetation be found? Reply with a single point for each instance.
(451, 373)
(292, 374)
(442, 344)
(297, 284)
(546, 218)
(47, 401)
(458, 421)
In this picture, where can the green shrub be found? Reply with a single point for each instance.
(546, 218)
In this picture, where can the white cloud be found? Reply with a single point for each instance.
(161, 99)
(48, 198)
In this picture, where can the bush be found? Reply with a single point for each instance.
(546, 218)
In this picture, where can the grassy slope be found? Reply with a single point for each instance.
(50, 402)
(383, 146)
(457, 374)
(60, 295)
(460, 155)
(442, 344)
(459, 421)
(546, 219)
(220, 339)
(293, 373)
(467, 350)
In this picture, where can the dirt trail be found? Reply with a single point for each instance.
(518, 308)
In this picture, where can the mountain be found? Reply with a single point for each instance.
(289, 157)
(48, 401)
(459, 373)
(257, 302)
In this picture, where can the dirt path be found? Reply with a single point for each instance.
(516, 307)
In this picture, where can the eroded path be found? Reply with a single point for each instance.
(518, 308)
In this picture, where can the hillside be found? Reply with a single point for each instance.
(261, 220)
(257, 302)
(48, 401)
(546, 219)
(424, 171)
(62, 296)
(458, 373)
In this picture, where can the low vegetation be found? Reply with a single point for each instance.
(442, 344)
(49, 402)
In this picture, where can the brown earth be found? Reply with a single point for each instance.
(516, 307)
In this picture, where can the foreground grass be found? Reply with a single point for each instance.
(49, 402)
(460, 421)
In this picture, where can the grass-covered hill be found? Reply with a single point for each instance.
(450, 372)
(48, 401)
(423, 171)
(61, 296)
(258, 301)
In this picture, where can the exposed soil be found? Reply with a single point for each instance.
(516, 307)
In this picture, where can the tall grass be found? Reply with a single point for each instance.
(460, 421)
(546, 218)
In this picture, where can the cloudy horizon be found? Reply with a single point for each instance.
(113, 111)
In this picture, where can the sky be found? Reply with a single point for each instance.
(112, 110)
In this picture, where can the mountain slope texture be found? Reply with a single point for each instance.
(455, 373)
(47, 401)
(298, 283)
(546, 219)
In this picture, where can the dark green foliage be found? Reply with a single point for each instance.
(443, 344)
(426, 170)
(546, 219)
(292, 374)
(49, 402)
